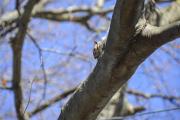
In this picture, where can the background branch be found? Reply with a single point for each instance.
(17, 45)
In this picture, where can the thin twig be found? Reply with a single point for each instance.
(52, 101)
(147, 96)
(41, 62)
(5, 88)
(18, 7)
(43, 69)
(29, 99)
(142, 114)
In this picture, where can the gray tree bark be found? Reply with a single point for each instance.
(130, 41)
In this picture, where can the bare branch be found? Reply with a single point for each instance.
(147, 96)
(10, 18)
(142, 114)
(17, 44)
(52, 101)
(41, 63)
(164, 1)
(171, 54)
(70, 14)
(18, 6)
(62, 15)
(5, 88)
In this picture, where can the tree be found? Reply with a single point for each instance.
(137, 29)
(130, 41)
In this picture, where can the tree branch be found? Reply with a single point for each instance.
(110, 72)
(6, 88)
(10, 18)
(52, 101)
(17, 44)
(57, 15)
(119, 106)
(163, 1)
(163, 34)
(68, 14)
(147, 96)
(165, 15)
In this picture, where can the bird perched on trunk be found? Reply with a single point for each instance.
(99, 47)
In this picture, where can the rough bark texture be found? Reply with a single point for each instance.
(125, 50)
(112, 70)
(114, 106)
(119, 106)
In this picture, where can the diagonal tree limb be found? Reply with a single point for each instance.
(17, 45)
(122, 55)
(163, 34)
(165, 15)
(109, 74)
(168, 32)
